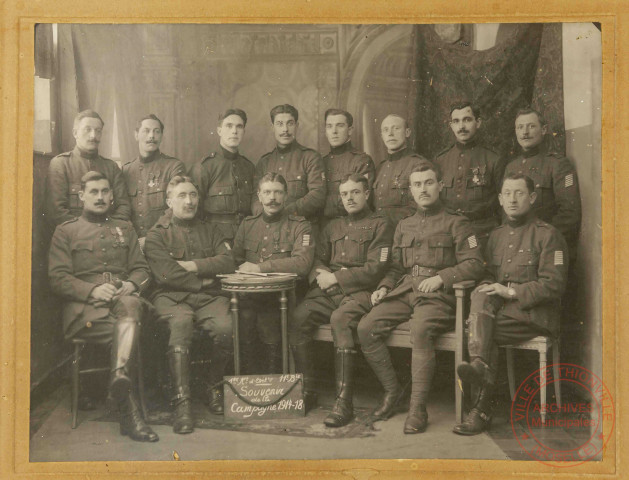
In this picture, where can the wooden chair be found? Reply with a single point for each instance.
(451, 341)
(542, 345)
(79, 345)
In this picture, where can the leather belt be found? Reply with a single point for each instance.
(512, 284)
(105, 277)
(418, 271)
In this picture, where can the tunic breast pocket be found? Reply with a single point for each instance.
(400, 192)
(297, 186)
(544, 188)
(220, 199)
(476, 186)
(528, 265)
(357, 245)
(448, 187)
(73, 195)
(83, 252)
(408, 251)
(156, 197)
(441, 251)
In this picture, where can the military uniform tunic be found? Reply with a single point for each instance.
(530, 256)
(180, 297)
(64, 183)
(558, 199)
(303, 170)
(391, 195)
(357, 249)
(225, 180)
(431, 242)
(86, 252)
(342, 161)
(147, 179)
(278, 243)
(472, 177)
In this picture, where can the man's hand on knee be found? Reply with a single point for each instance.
(378, 295)
(103, 293)
(431, 284)
(127, 288)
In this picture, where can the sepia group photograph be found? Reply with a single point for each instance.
(266, 246)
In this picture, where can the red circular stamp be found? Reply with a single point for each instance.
(563, 434)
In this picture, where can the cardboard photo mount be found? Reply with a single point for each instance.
(17, 45)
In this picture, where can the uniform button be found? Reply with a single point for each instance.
(458, 195)
(461, 155)
(102, 236)
(380, 208)
(350, 224)
(459, 180)
(506, 275)
(343, 253)
(537, 186)
(104, 249)
(511, 233)
(104, 263)
(524, 160)
(140, 192)
(139, 204)
(460, 167)
(140, 215)
(267, 226)
(346, 237)
(264, 249)
(88, 324)
(510, 245)
(280, 168)
(509, 261)
(191, 253)
(520, 171)
(266, 238)
(100, 224)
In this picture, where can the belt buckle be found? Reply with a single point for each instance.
(107, 277)
(416, 270)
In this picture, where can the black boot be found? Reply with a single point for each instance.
(132, 423)
(417, 419)
(302, 354)
(179, 361)
(380, 362)
(479, 418)
(123, 349)
(273, 360)
(343, 410)
(480, 342)
(221, 359)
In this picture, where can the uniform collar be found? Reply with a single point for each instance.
(93, 217)
(77, 151)
(518, 222)
(532, 152)
(272, 218)
(364, 213)
(227, 154)
(392, 157)
(288, 148)
(434, 209)
(467, 146)
(347, 146)
(156, 154)
(181, 222)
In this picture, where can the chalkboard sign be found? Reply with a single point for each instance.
(273, 396)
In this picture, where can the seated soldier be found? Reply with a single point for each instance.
(352, 253)
(432, 250)
(272, 241)
(97, 266)
(185, 255)
(519, 298)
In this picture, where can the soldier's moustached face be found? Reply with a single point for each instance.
(184, 200)
(149, 137)
(337, 130)
(529, 131)
(88, 134)
(515, 198)
(394, 133)
(272, 196)
(354, 196)
(285, 128)
(97, 196)
(464, 124)
(425, 188)
(231, 131)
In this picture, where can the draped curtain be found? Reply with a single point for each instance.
(523, 69)
(103, 66)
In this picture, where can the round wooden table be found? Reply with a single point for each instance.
(239, 283)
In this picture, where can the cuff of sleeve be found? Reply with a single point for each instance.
(141, 282)
(520, 295)
(448, 277)
(386, 283)
(203, 267)
(84, 291)
(266, 267)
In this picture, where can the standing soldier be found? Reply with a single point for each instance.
(148, 175)
(472, 174)
(97, 266)
(225, 177)
(65, 171)
(432, 250)
(342, 160)
(272, 241)
(351, 258)
(392, 197)
(185, 255)
(302, 167)
(520, 296)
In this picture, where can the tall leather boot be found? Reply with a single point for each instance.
(273, 354)
(479, 418)
(132, 423)
(422, 370)
(302, 354)
(221, 359)
(179, 362)
(343, 410)
(380, 362)
(123, 357)
(481, 335)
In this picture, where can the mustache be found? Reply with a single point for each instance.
(464, 131)
(268, 204)
(99, 203)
